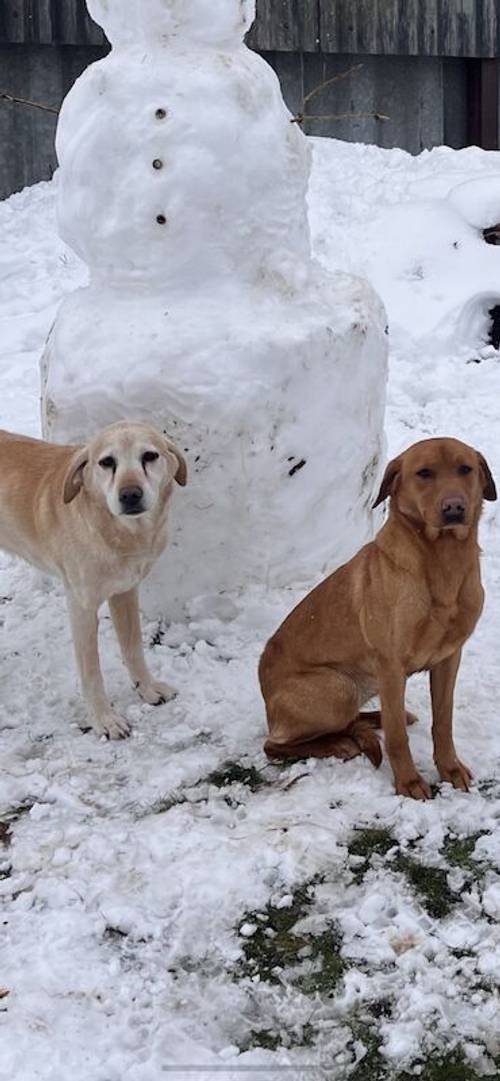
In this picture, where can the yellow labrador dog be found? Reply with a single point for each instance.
(96, 516)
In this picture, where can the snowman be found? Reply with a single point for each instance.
(182, 185)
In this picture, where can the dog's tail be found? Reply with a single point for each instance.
(359, 737)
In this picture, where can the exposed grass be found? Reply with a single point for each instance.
(367, 843)
(314, 960)
(448, 1067)
(272, 1040)
(458, 852)
(372, 1067)
(324, 948)
(279, 951)
(234, 772)
(229, 773)
(263, 1037)
(430, 883)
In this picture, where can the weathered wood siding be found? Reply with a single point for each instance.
(454, 28)
(427, 64)
(48, 22)
(286, 26)
(384, 27)
(411, 27)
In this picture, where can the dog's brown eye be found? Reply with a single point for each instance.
(425, 474)
(464, 469)
(149, 456)
(108, 463)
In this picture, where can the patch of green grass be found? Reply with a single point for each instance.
(372, 1067)
(429, 883)
(382, 1007)
(272, 1040)
(367, 843)
(275, 945)
(229, 773)
(262, 1037)
(458, 851)
(324, 948)
(448, 1067)
(233, 773)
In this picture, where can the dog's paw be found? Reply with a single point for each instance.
(456, 773)
(415, 787)
(111, 725)
(155, 693)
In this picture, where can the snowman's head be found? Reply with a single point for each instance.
(157, 22)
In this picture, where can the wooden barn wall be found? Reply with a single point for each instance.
(419, 59)
(397, 27)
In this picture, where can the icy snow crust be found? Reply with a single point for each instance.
(132, 873)
(183, 186)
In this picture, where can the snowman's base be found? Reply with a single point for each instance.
(277, 402)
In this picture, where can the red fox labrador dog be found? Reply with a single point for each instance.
(96, 516)
(405, 603)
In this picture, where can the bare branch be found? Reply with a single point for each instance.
(301, 119)
(328, 82)
(24, 101)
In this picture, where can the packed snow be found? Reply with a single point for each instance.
(183, 186)
(142, 882)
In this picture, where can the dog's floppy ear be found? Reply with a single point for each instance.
(74, 474)
(489, 489)
(181, 472)
(386, 488)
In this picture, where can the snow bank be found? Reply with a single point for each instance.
(417, 226)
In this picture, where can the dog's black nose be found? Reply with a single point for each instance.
(131, 499)
(453, 510)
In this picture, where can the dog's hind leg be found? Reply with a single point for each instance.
(317, 715)
(124, 608)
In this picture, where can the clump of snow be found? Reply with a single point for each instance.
(478, 201)
(183, 185)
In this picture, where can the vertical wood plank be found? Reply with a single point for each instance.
(285, 26)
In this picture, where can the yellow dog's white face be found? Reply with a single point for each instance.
(128, 467)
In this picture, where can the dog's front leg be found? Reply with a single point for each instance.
(124, 608)
(392, 685)
(84, 625)
(443, 677)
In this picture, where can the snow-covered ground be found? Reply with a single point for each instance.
(174, 905)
